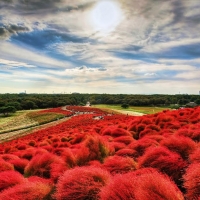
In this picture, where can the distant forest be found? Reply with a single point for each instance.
(35, 101)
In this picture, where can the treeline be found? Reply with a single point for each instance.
(34, 101)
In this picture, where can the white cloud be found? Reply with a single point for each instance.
(191, 75)
(8, 64)
(13, 52)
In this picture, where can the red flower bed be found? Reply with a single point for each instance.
(112, 157)
(85, 109)
(58, 110)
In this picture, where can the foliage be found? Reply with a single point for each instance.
(7, 109)
(146, 184)
(32, 101)
(82, 183)
(115, 157)
(124, 105)
(192, 181)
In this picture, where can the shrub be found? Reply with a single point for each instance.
(21, 146)
(81, 183)
(9, 179)
(46, 165)
(147, 132)
(39, 179)
(67, 155)
(142, 145)
(126, 152)
(124, 139)
(146, 184)
(120, 187)
(5, 165)
(118, 164)
(8, 157)
(181, 145)
(192, 181)
(27, 191)
(143, 184)
(195, 156)
(115, 132)
(194, 134)
(117, 146)
(146, 120)
(132, 126)
(151, 186)
(165, 161)
(82, 155)
(32, 143)
(140, 127)
(19, 164)
(125, 105)
(98, 148)
(158, 138)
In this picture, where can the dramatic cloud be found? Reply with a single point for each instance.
(101, 46)
(7, 30)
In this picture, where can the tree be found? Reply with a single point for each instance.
(7, 109)
(14, 104)
(29, 105)
(124, 105)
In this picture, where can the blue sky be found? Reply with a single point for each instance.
(100, 46)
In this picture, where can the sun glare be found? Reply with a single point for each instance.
(105, 16)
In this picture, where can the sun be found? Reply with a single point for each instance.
(105, 16)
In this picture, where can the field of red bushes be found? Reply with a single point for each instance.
(112, 157)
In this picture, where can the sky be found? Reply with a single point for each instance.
(100, 46)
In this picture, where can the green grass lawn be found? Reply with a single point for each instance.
(143, 109)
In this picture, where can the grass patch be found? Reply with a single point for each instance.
(42, 118)
(142, 109)
(26, 119)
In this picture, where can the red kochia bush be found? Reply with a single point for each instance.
(9, 179)
(8, 157)
(98, 147)
(115, 132)
(156, 186)
(126, 152)
(19, 164)
(27, 191)
(141, 145)
(5, 165)
(120, 187)
(67, 155)
(191, 131)
(143, 184)
(192, 182)
(195, 156)
(165, 161)
(46, 165)
(124, 139)
(117, 146)
(118, 164)
(81, 183)
(184, 146)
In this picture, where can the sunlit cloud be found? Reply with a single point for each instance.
(105, 46)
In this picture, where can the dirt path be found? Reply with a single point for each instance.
(131, 113)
